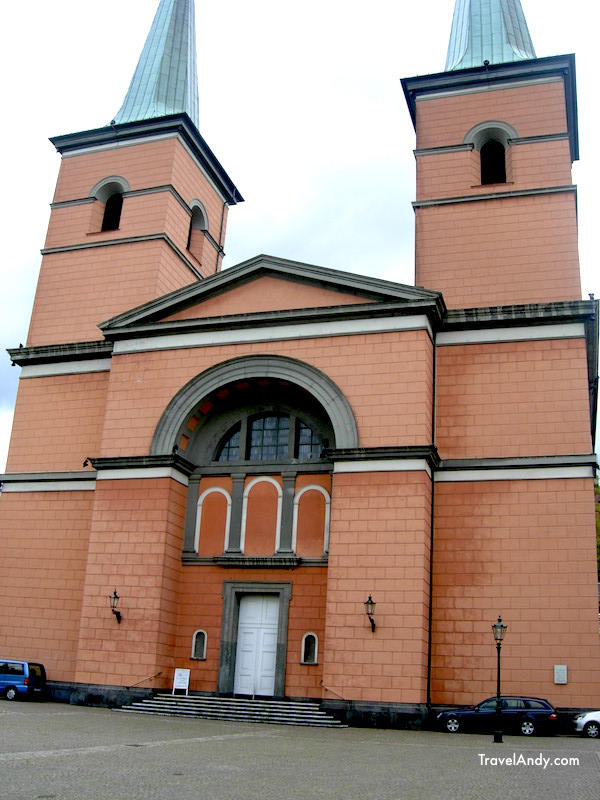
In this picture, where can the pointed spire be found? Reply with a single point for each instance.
(166, 78)
(488, 30)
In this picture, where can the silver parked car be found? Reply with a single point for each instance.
(588, 724)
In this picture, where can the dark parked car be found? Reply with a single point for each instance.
(526, 715)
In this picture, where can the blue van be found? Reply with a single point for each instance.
(21, 678)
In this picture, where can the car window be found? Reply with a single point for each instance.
(487, 705)
(8, 668)
(36, 670)
(536, 704)
(513, 704)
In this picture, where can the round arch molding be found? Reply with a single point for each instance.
(322, 388)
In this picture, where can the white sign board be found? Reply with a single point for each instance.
(181, 680)
(560, 673)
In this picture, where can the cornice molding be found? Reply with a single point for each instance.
(150, 237)
(427, 453)
(142, 463)
(118, 135)
(469, 146)
(519, 462)
(493, 76)
(276, 325)
(566, 311)
(252, 562)
(477, 198)
(57, 353)
(65, 481)
(372, 290)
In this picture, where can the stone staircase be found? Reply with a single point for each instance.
(277, 712)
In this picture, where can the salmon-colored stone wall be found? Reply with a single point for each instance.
(391, 406)
(458, 173)
(525, 550)
(311, 524)
(501, 251)
(82, 287)
(136, 540)
(42, 572)
(506, 250)
(260, 529)
(141, 215)
(57, 422)
(78, 290)
(201, 608)
(213, 516)
(380, 545)
(534, 110)
(145, 165)
(512, 399)
(267, 294)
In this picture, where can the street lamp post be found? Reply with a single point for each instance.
(498, 629)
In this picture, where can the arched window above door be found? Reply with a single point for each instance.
(271, 437)
(262, 441)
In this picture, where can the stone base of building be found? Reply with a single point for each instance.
(358, 714)
(85, 694)
(404, 716)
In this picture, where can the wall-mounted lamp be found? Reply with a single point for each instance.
(370, 608)
(114, 602)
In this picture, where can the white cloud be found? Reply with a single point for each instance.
(6, 418)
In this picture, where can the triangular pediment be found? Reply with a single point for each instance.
(267, 286)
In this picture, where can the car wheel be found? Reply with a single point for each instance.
(527, 727)
(592, 729)
(11, 693)
(452, 724)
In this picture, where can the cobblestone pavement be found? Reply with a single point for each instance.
(50, 751)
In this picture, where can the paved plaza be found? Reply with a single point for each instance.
(50, 751)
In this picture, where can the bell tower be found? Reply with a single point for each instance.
(140, 207)
(495, 211)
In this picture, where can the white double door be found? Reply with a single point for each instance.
(257, 645)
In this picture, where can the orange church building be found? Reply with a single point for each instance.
(244, 457)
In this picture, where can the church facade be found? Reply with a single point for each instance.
(242, 458)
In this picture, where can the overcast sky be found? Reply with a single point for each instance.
(300, 102)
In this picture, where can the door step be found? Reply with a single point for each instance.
(277, 712)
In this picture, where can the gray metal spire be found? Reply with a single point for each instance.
(488, 30)
(166, 78)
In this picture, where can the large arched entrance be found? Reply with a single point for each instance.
(256, 433)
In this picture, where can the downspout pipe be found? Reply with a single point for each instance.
(431, 534)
